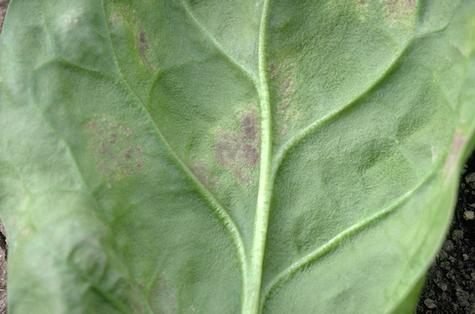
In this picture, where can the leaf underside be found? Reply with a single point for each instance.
(230, 156)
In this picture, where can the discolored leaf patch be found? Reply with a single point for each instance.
(112, 143)
(286, 111)
(203, 173)
(458, 143)
(398, 10)
(286, 157)
(161, 289)
(144, 47)
(238, 152)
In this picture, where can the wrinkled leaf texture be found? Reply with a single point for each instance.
(230, 156)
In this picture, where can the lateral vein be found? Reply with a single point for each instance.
(215, 42)
(317, 124)
(219, 210)
(330, 245)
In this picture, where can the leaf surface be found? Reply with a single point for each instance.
(272, 156)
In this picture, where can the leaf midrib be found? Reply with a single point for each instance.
(253, 294)
(252, 297)
(252, 278)
(331, 244)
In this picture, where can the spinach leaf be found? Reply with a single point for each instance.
(230, 156)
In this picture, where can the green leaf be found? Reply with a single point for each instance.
(238, 156)
(408, 305)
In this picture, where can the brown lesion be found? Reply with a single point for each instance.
(203, 174)
(123, 17)
(112, 144)
(144, 47)
(239, 151)
(143, 43)
(250, 127)
(273, 71)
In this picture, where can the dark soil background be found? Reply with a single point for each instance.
(450, 286)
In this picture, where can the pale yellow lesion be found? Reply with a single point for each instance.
(394, 11)
(115, 18)
(120, 13)
(455, 151)
(362, 9)
(286, 113)
(466, 46)
(400, 11)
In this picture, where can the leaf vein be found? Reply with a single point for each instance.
(337, 240)
(215, 42)
(252, 298)
(96, 288)
(213, 203)
(332, 116)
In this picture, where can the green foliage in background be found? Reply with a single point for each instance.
(230, 156)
